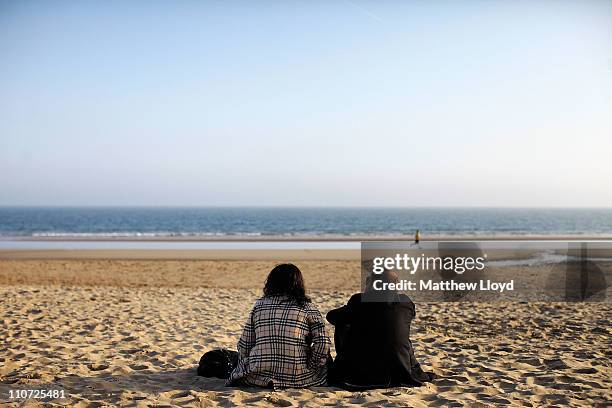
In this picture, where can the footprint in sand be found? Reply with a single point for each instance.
(556, 364)
(278, 402)
(586, 370)
(139, 367)
(97, 367)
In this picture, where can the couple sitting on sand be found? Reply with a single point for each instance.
(285, 345)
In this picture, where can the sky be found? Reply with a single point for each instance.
(306, 103)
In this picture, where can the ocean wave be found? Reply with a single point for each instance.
(136, 234)
(320, 234)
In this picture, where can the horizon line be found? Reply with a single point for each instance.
(196, 206)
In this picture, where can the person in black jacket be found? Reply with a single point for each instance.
(372, 340)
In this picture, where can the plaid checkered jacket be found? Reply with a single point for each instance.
(283, 345)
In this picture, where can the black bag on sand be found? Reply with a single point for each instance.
(218, 363)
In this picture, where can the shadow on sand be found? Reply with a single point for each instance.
(173, 384)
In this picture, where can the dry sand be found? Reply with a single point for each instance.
(130, 332)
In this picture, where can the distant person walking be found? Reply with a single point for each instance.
(417, 237)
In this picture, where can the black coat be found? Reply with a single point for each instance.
(373, 344)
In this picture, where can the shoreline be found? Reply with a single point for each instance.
(308, 238)
(185, 254)
(283, 250)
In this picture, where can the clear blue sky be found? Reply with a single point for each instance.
(457, 103)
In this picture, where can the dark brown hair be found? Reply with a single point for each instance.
(286, 280)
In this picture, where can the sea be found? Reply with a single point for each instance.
(277, 228)
(341, 223)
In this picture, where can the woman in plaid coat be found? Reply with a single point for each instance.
(284, 343)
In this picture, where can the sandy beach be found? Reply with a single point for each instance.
(115, 329)
(159, 159)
